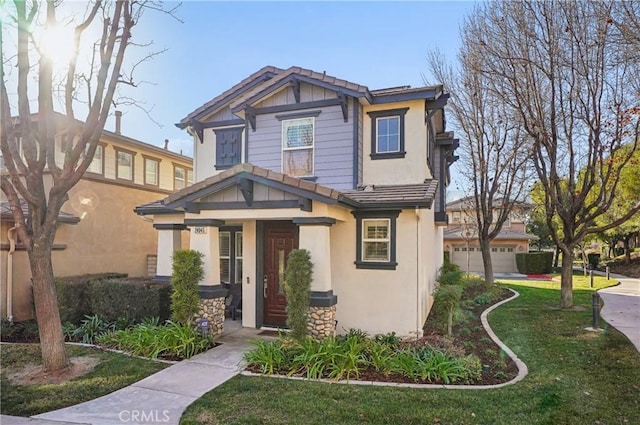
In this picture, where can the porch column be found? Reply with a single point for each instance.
(204, 239)
(169, 241)
(315, 237)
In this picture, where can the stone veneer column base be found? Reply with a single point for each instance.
(212, 309)
(322, 322)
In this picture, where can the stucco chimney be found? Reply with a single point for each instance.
(118, 121)
(166, 144)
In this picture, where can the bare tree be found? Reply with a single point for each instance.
(564, 70)
(27, 140)
(493, 152)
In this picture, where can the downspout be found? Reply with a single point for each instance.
(418, 329)
(12, 248)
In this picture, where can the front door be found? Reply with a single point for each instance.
(280, 237)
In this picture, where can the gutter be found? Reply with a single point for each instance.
(12, 249)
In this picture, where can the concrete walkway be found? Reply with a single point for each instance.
(162, 397)
(622, 307)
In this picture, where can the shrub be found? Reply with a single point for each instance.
(453, 277)
(73, 295)
(297, 285)
(187, 273)
(594, 260)
(89, 330)
(534, 262)
(269, 356)
(128, 300)
(26, 331)
(448, 296)
(172, 340)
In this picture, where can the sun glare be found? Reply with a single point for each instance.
(56, 43)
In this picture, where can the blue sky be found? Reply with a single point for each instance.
(377, 44)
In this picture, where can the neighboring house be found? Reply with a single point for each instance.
(97, 231)
(461, 238)
(294, 158)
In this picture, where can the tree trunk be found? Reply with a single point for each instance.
(54, 354)
(627, 249)
(566, 284)
(486, 262)
(555, 258)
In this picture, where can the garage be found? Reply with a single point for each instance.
(503, 258)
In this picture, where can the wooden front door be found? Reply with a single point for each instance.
(279, 239)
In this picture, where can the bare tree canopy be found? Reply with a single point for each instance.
(82, 71)
(568, 72)
(493, 152)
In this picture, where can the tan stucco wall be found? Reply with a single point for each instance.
(109, 238)
(380, 301)
(408, 170)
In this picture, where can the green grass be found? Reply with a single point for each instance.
(575, 377)
(114, 371)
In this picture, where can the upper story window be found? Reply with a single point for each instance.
(151, 171)
(124, 164)
(387, 133)
(455, 215)
(182, 177)
(297, 147)
(97, 163)
(228, 147)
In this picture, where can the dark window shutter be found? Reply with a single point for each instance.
(228, 147)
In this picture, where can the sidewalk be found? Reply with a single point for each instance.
(162, 397)
(622, 307)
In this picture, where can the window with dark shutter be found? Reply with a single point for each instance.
(228, 147)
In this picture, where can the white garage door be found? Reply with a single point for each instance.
(503, 258)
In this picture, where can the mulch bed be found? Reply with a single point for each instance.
(467, 338)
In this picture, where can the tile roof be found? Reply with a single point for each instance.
(456, 234)
(392, 196)
(261, 72)
(6, 213)
(304, 73)
(250, 89)
(409, 194)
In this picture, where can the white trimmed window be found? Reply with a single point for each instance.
(238, 259)
(388, 134)
(230, 256)
(376, 241)
(124, 165)
(151, 167)
(97, 161)
(297, 147)
(224, 239)
(182, 177)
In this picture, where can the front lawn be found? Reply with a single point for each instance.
(575, 377)
(30, 394)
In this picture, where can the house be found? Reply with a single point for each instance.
(292, 158)
(461, 240)
(96, 230)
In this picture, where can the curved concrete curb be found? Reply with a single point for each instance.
(522, 368)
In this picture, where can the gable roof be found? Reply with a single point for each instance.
(306, 75)
(372, 197)
(257, 77)
(270, 78)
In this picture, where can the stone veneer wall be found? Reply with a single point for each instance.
(213, 310)
(322, 322)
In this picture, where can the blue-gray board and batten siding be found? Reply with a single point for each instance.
(333, 138)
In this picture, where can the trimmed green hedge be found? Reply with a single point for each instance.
(534, 262)
(112, 296)
(73, 299)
